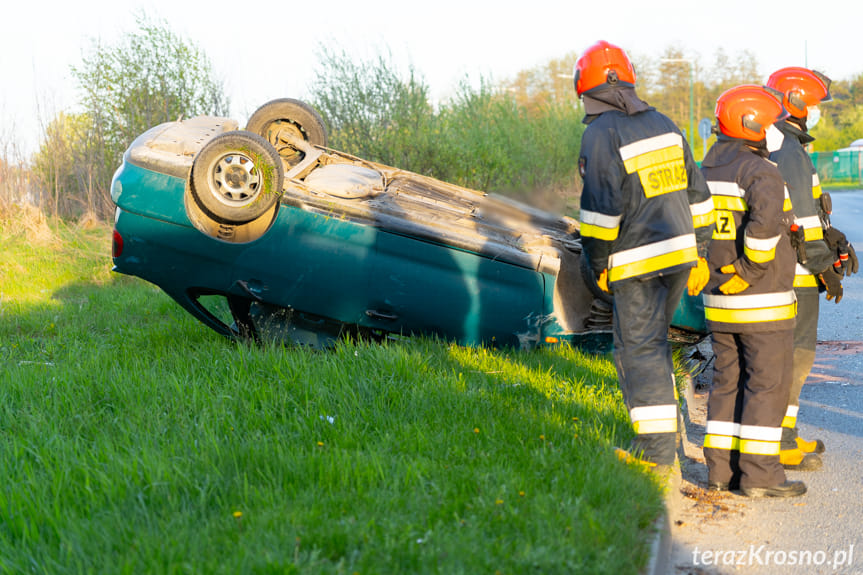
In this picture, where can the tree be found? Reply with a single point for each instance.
(375, 112)
(149, 77)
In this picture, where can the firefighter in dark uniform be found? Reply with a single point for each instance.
(749, 302)
(646, 219)
(802, 89)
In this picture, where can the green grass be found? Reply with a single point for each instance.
(134, 440)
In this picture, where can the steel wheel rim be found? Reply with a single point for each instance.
(236, 180)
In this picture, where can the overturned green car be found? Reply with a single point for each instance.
(265, 233)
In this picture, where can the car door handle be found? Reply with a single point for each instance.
(375, 314)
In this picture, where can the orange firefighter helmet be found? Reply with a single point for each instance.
(601, 63)
(800, 88)
(747, 111)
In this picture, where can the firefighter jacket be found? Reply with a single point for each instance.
(645, 208)
(804, 188)
(753, 233)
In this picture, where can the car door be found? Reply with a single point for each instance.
(419, 286)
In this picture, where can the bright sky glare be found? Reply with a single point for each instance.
(267, 49)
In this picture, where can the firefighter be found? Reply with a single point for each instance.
(749, 302)
(801, 90)
(646, 219)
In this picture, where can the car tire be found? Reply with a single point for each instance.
(286, 113)
(236, 177)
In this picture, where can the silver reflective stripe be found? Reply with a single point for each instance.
(601, 220)
(792, 410)
(726, 189)
(649, 412)
(801, 271)
(761, 245)
(650, 144)
(755, 301)
(760, 432)
(723, 428)
(815, 180)
(701, 208)
(808, 222)
(642, 253)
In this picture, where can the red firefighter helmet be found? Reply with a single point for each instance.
(800, 88)
(747, 111)
(601, 63)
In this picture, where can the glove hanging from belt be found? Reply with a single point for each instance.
(832, 282)
(846, 262)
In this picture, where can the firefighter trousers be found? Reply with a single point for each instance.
(805, 336)
(643, 309)
(751, 380)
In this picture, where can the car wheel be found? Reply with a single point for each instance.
(285, 120)
(236, 177)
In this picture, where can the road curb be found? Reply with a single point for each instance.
(660, 547)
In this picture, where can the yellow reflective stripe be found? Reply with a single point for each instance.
(655, 426)
(759, 256)
(816, 186)
(659, 163)
(750, 315)
(730, 203)
(653, 158)
(726, 442)
(652, 257)
(811, 225)
(808, 280)
(684, 256)
(598, 232)
(813, 234)
(654, 418)
(755, 447)
(599, 225)
(651, 144)
(790, 419)
(803, 277)
(760, 250)
(750, 301)
(702, 213)
(704, 221)
(786, 205)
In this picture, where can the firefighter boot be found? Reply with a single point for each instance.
(798, 460)
(814, 446)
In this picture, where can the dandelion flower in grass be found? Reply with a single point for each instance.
(542, 437)
(476, 429)
(238, 514)
(521, 493)
(320, 443)
(498, 501)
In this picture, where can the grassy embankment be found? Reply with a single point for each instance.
(134, 440)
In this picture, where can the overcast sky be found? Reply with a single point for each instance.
(267, 49)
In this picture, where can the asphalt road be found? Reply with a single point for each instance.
(822, 531)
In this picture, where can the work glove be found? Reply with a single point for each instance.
(846, 258)
(698, 277)
(602, 281)
(832, 281)
(736, 284)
